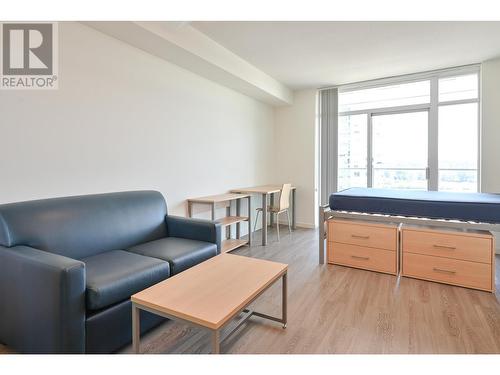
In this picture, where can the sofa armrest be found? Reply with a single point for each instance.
(42, 301)
(194, 229)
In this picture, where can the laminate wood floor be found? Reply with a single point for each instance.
(334, 309)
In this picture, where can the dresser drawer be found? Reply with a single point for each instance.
(449, 271)
(368, 235)
(362, 257)
(448, 245)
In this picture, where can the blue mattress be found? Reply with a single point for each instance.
(478, 207)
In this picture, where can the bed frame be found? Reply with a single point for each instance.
(326, 213)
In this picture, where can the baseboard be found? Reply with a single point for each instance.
(306, 225)
(300, 225)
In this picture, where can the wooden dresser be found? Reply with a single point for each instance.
(464, 258)
(363, 245)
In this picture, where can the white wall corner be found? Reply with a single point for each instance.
(295, 152)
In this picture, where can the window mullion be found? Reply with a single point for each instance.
(433, 134)
(369, 153)
(479, 136)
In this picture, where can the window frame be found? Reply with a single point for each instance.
(433, 112)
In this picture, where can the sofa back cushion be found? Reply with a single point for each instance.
(82, 226)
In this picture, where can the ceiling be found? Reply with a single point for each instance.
(317, 54)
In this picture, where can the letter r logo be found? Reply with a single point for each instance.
(27, 49)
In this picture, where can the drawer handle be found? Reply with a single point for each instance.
(445, 247)
(360, 237)
(444, 271)
(361, 258)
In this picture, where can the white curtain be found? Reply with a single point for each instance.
(328, 123)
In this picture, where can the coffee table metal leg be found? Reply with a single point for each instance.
(284, 299)
(136, 328)
(215, 342)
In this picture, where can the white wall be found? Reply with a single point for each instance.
(295, 152)
(123, 119)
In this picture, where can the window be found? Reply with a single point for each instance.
(458, 147)
(400, 150)
(385, 96)
(458, 88)
(352, 168)
(418, 132)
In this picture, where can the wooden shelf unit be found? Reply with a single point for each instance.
(232, 244)
(229, 243)
(230, 220)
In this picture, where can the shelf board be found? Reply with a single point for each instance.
(228, 220)
(231, 244)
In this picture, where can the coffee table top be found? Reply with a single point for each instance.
(211, 293)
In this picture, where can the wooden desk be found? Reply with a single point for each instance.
(229, 243)
(210, 294)
(265, 191)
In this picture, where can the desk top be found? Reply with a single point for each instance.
(212, 292)
(218, 198)
(263, 189)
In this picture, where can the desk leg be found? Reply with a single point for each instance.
(294, 219)
(264, 219)
(228, 228)
(249, 220)
(215, 342)
(271, 203)
(190, 209)
(213, 211)
(136, 329)
(238, 213)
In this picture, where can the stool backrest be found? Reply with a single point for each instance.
(285, 196)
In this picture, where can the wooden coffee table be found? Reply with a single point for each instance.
(211, 294)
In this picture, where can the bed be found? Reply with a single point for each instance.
(432, 208)
(476, 207)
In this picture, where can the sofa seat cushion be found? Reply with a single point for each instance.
(181, 253)
(115, 275)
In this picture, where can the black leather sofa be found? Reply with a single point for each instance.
(68, 267)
